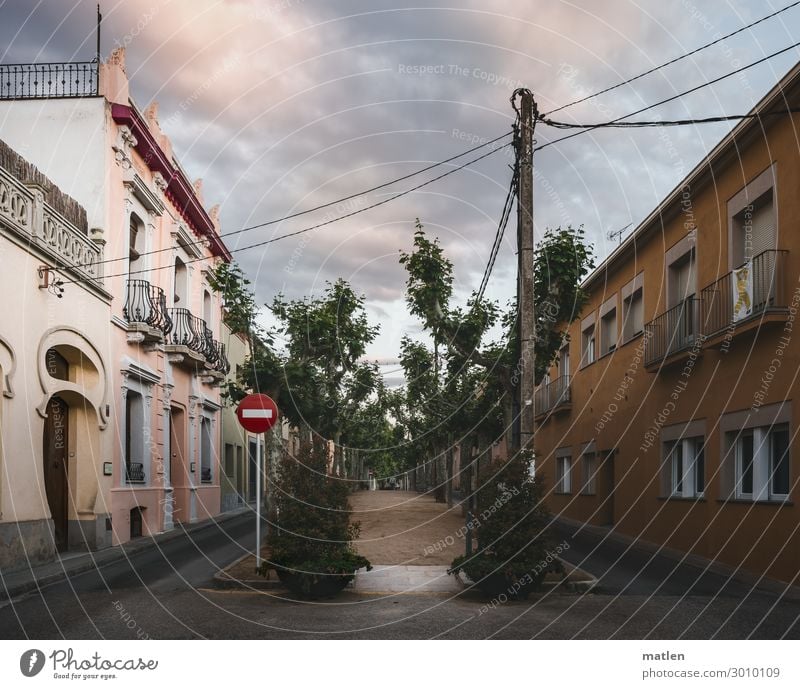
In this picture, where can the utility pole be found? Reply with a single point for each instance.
(526, 327)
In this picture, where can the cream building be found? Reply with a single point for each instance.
(161, 359)
(56, 439)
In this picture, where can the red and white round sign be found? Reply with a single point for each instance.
(257, 413)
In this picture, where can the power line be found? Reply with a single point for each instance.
(676, 59)
(312, 227)
(670, 99)
(498, 238)
(321, 206)
(669, 123)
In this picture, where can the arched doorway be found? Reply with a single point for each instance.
(55, 458)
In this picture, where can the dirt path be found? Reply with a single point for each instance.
(406, 528)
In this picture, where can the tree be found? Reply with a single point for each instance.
(512, 526)
(312, 547)
(561, 260)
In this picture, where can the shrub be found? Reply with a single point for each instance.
(512, 526)
(312, 545)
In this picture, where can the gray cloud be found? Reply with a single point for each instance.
(284, 105)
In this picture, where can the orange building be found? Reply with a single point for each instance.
(669, 418)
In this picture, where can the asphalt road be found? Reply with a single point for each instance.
(168, 594)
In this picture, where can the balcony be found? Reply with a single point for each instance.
(768, 295)
(134, 472)
(48, 80)
(60, 242)
(673, 332)
(146, 312)
(553, 397)
(188, 342)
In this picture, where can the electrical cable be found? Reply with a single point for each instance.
(671, 98)
(674, 60)
(322, 206)
(312, 227)
(668, 123)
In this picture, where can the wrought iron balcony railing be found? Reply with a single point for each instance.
(767, 292)
(552, 395)
(134, 472)
(49, 80)
(205, 475)
(189, 331)
(220, 361)
(673, 331)
(146, 303)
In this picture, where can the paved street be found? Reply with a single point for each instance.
(168, 594)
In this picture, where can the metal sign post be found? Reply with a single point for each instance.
(257, 414)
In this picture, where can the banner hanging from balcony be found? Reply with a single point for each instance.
(742, 291)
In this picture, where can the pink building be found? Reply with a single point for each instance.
(158, 242)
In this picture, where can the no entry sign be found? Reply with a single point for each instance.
(257, 413)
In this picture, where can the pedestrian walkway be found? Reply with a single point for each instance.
(410, 539)
(407, 528)
(407, 579)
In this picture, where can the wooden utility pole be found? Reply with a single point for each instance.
(526, 324)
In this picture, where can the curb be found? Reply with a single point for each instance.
(97, 559)
(222, 580)
(583, 583)
(787, 592)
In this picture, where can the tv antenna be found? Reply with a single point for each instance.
(611, 235)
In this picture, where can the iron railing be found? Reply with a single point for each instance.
(134, 472)
(552, 395)
(146, 303)
(205, 474)
(49, 80)
(189, 331)
(673, 331)
(767, 293)
(219, 362)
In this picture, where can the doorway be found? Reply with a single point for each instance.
(55, 458)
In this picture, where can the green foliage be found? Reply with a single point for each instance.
(238, 300)
(561, 260)
(512, 525)
(314, 535)
(430, 279)
(317, 378)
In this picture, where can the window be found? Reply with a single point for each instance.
(134, 437)
(632, 315)
(589, 474)
(686, 466)
(587, 345)
(180, 278)
(563, 475)
(135, 241)
(682, 274)
(563, 361)
(229, 469)
(608, 331)
(755, 227)
(206, 446)
(762, 457)
(207, 308)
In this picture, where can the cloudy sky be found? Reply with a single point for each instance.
(280, 105)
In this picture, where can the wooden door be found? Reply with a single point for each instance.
(55, 457)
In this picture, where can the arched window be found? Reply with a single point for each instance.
(180, 293)
(207, 308)
(135, 243)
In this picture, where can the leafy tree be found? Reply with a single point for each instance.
(512, 525)
(312, 548)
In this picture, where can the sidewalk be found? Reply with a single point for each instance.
(27, 579)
